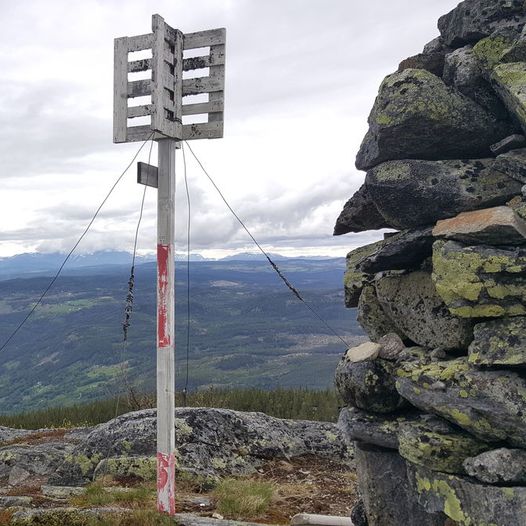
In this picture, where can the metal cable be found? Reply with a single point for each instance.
(55, 277)
(289, 285)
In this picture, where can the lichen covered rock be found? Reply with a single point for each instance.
(380, 430)
(438, 445)
(368, 384)
(480, 281)
(466, 502)
(388, 498)
(420, 107)
(487, 404)
(412, 193)
(499, 342)
(412, 303)
(372, 317)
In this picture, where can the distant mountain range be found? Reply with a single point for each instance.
(37, 263)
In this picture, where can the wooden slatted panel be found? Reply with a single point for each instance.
(120, 89)
(208, 38)
(202, 85)
(203, 107)
(140, 42)
(140, 65)
(140, 111)
(139, 88)
(166, 69)
(215, 58)
(206, 130)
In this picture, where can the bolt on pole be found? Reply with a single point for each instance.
(167, 89)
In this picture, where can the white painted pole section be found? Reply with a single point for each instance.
(166, 327)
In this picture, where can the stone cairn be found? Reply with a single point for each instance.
(436, 401)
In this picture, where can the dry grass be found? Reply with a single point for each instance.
(243, 498)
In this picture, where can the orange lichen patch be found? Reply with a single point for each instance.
(480, 221)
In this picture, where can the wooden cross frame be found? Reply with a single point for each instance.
(165, 110)
(167, 88)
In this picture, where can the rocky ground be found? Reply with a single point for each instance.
(44, 473)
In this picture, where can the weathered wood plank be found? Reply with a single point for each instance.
(201, 85)
(120, 89)
(139, 88)
(207, 38)
(139, 65)
(213, 59)
(206, 130)
(140, 111)
(218, 72)
(203, 107)
(140, 42)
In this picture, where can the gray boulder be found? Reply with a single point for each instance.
(466, 502)
(412, 193)
(435, 121)
(379, 430)
(411, 302)
(372, 317)
(368, 384)
(405, 250)
(498, 466)
(473, 20)
(208, 441)
(499, 342)
(487, 404)
(388, 498)
(359, 214)
(431, 61)
(463, 71)
(512, 164)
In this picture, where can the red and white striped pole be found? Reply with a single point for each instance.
(166, 327)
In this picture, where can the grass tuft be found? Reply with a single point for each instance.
(243, 498)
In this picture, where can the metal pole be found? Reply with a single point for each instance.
(166, 328)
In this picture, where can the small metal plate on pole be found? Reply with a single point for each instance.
(164, 110)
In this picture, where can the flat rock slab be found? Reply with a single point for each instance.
(379, 430)
(512, 142)
(466, 502)
(499, 342)
(480, 281)
(498, 466)
(488, 404)
(388, 498)
(473, 20)
(415, 193)
(499, 225)
(359, 214)
(438, 445)
(419, 108)
(412, 303)
(405, 250)
(209, 442)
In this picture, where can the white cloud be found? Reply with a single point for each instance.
(301, 78)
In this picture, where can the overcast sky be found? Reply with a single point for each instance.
(301, 77)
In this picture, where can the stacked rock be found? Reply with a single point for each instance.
(436, 401)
